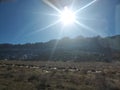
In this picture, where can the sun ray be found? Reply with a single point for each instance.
(53, 50)
(51, 5)
(91, 19)
(39, 13)
(85, 26)
(84, 7)
(72, 4)
(55, 45)
(53, 15)
(45, 28)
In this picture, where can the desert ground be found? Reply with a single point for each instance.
(49, 75)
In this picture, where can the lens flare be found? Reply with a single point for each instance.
(67, 16)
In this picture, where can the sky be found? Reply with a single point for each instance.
(30, 21)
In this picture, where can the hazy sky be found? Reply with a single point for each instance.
(24, 21)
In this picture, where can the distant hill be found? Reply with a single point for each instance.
(65, 49)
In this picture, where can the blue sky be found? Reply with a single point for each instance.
(23, 21)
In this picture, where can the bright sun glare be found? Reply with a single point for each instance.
(67, 16)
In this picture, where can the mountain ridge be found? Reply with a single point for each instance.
(76, 49)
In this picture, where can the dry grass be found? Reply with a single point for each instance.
(28, 75)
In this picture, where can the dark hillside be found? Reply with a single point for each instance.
(77, 49)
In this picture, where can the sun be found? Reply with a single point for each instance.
(67, 16)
